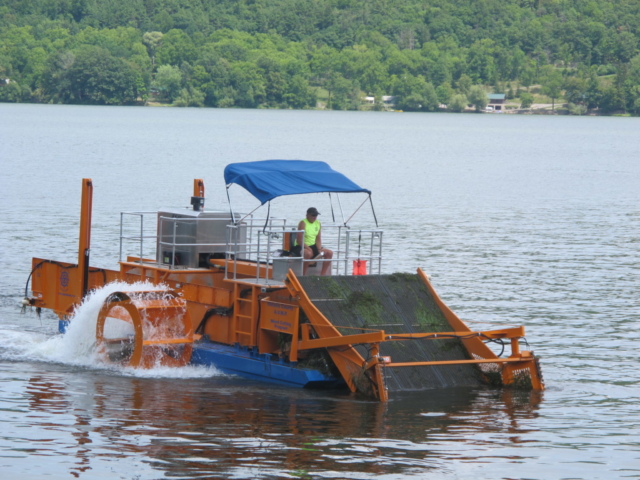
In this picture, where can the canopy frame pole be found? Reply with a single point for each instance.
(333, 217)
(266, 222)
(230, 207)
(365, 201)
(250, 213)
(373, 211)
(340, 204)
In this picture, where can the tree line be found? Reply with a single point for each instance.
(293, 53)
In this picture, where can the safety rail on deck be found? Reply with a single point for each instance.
(365, 238)
(174, 243)
(265, 248)
(176, 239)
(260, 241)
(136, 238)
(264, 242)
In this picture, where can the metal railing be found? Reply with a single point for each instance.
(256, 240)
(135, 238)
(365, 238)
(259, 241)
(175, 242)
(265, 247)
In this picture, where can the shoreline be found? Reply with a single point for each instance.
(543, 109)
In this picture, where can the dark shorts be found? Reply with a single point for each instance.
(297, 250)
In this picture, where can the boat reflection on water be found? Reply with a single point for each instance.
(225, 427)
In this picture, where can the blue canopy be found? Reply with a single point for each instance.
(268, 179)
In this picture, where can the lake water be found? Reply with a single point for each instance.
(519, 220)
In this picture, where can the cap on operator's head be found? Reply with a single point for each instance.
(313, 211)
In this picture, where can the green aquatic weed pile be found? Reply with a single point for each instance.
(331, 287)
(367, 306)
(428, 319)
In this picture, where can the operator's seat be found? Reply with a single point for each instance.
(288, 244)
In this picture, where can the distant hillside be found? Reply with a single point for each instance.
(298, 53)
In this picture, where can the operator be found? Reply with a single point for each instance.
(312, 241)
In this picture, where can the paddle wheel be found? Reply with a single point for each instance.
(144, 329)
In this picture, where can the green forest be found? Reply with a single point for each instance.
(323, 53)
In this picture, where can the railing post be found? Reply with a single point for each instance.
(380, 253)
(346, 253)
(173, 244)
(266, 266)
(121, 232)
(141, 236)
(226, 252)
(235, 242)
(258, 258)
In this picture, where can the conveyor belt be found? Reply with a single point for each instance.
(397, 303)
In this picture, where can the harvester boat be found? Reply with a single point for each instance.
(226, 289)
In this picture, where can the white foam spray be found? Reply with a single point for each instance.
(78, 345)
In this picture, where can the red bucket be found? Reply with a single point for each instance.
(359, 267)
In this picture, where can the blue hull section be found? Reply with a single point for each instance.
(248, 363)
(63, 325)
(244, 362)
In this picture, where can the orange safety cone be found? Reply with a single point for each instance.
(359, 267)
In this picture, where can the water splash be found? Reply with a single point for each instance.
(78, 345)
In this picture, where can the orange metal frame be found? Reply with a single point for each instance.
(61, 286)
(150, 311)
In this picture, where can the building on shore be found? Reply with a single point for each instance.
(496, 102)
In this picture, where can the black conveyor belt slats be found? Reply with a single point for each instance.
(396, 303)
